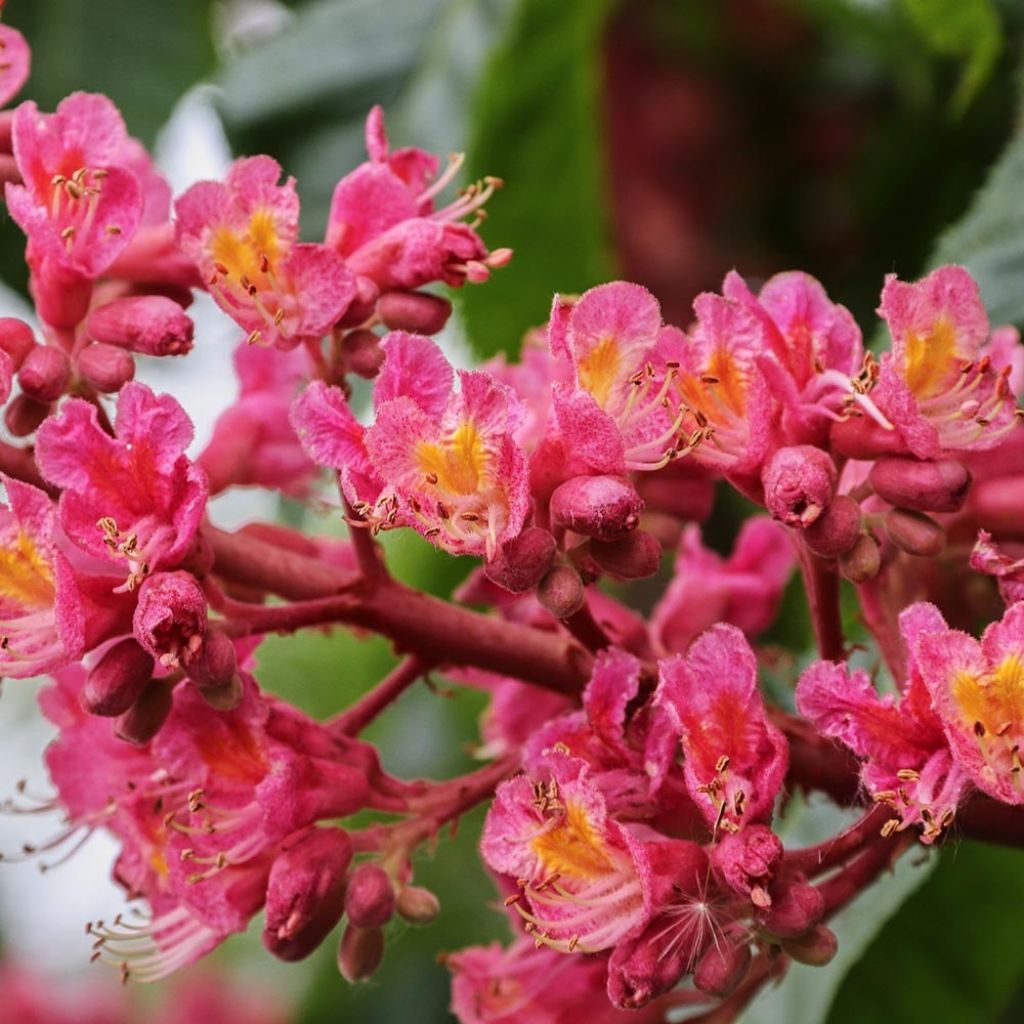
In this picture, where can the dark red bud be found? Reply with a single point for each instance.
(561, 592)
(523, 562)
(370, 899)
(816, 948)
(914, 532)
(724, 964)
(862, 562)
(142, 721)
(418, 312)
(362, 353)
(837, 530)
(45, 373)
(940, 486)
(798, 484)
(24, 415)
(360, 953)
(634, 557)
(106, 367)
(215, 662)
(796, 908)
(151, 324)
(604, 507)
(860, 437)
(16, 339)
(117, 680)
(362, 306)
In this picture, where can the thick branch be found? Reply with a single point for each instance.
(354, 719)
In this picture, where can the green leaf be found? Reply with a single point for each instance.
(952, 953)
(535, 124)
(966, 29)
(989, 239)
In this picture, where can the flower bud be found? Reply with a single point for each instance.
(724, 964)
(635, 556)
(604, 507)
(45, 373)
(17, 339)
(561, 591)
(24, 415)
(360, 953)
(418, 312)
(417, 905)
(798, 484)
(862, 561)
(939, 486)
(816, 948)
(860, 437)
(306, 893)
(153, 325)
(215, 662)
(142, 721)
(225, 697)
(105, 367)
(363, 305)
(746, 861)
(370, 899)
(914, 532)
(62, 296)
(170, 617)
(117, 680)
(362, 353)
(641, 969)
(835, 532)
(523, 562)
(796, 908)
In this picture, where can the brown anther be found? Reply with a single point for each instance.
(573, 943)
(254, 337)
(722, 763)
(279, 317)
(431, 479)
(221, 269)
(1004, 728)
(264, 262)
(908, 775)
(706, 378)
(979, 729)
(112, 229)
(890, 827)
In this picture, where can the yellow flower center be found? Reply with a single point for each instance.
(252, 254)
(26, 575)
(573, 847)
(457, 465)
(600, 370)
(993, 703)
(930, 359)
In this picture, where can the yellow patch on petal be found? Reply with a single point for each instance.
(600, 369)
(26, 575)
(243, 255)
(459, 464)
(995, 699)
(931, 359)
(573, 848)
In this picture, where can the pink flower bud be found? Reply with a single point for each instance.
(170, 618)
(724, 964)
(862, 562)
(106, 367)
(306, 893)
(816, 948)
(62, 296)
(142, 721)
(561, 591)
(117, 680)
(153, 325)
(45, 373)
(914, 532)
(360, 953)
(225, 697)
(417, 905)
(370, 899)
(798, 484)
(523, 561)
(641, 969)
(746, 862)
(604, 507)
(363, 305)
(939, 486)
(634, 557)
(16, 339)
(418, 312)
(862, 438)
(24, 415)
(215, 662)
(796, 908)
(362, 353)
(837, 530)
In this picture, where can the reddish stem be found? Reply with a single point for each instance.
(762, 969)
(815, 860)
(856, 876)
(355, 718)
(882, 627)
(587, 630)
(363, 545)
(821, 582)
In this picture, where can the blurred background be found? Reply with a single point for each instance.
(665, 141)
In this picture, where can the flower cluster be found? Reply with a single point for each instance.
(635, 770)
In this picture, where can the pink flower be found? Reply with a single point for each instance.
(134, 498)
(16, 61)
(813, 347)
(976, 690)
(384, 224)
(989, 557)
(744, 589)
(42, 621)
(937, 387)
(734, 759)
(907, 763)
(243, 235)
(440, 460)
(580, 871)
(80, 203)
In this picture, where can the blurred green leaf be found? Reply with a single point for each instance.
(535, 124)
(966, 29)
(951, 954)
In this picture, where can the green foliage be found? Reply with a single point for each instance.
(535, 123)
(968, 30)
(951, 954)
